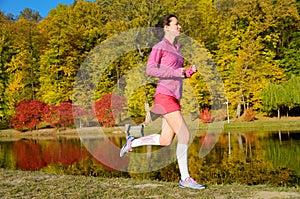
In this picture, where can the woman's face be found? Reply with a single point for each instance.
(174, 28)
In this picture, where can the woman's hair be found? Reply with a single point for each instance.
(159, 27)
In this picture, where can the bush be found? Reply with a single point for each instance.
(31, 113)
(59, 116)
(205, 116)
(248, 116)
(108, 109)
(28, 115)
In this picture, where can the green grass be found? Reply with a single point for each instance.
(36, 184)
(257, 125)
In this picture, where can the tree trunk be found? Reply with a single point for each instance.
(148, 118)
(244, 103)
(238, 110)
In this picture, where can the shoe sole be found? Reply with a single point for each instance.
(181, 186)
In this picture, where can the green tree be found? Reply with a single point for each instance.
(292, 94)
(290, 61)
(282, 97)
(5, 54)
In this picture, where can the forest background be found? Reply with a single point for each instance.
(254, 45)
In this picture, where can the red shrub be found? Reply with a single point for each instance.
(51, 115)
(109, 107)
(248, 116)
(28, 115)
(205, 116)
(59, 116)
(66, 114)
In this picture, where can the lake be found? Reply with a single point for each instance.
(259, 157)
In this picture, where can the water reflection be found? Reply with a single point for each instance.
(250, 158)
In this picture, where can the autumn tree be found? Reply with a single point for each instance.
(21, 61)
(30, 14)
(248, 41)
(70, 32)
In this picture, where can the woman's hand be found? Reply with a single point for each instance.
(189, 71)
(194, 68)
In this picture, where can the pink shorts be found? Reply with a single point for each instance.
(164, 104)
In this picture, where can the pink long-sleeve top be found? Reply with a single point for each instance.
(165, 62)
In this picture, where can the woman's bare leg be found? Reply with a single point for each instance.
(177, 123)
(163, 139)
(172, 123)
(167, 134)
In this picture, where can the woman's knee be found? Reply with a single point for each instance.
(183, 138)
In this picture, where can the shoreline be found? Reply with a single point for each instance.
(287, 124)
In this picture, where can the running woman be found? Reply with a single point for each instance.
(166, 63)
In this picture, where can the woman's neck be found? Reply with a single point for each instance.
(170, 38)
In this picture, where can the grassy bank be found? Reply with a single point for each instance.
(28, 184)
(263, 124)
(285, 124)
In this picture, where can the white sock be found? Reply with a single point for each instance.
(147, 140)
(182, 154)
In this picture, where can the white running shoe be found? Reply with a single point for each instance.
(190, 183)
(127, 147)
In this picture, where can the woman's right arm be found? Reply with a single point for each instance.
(156, 69)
